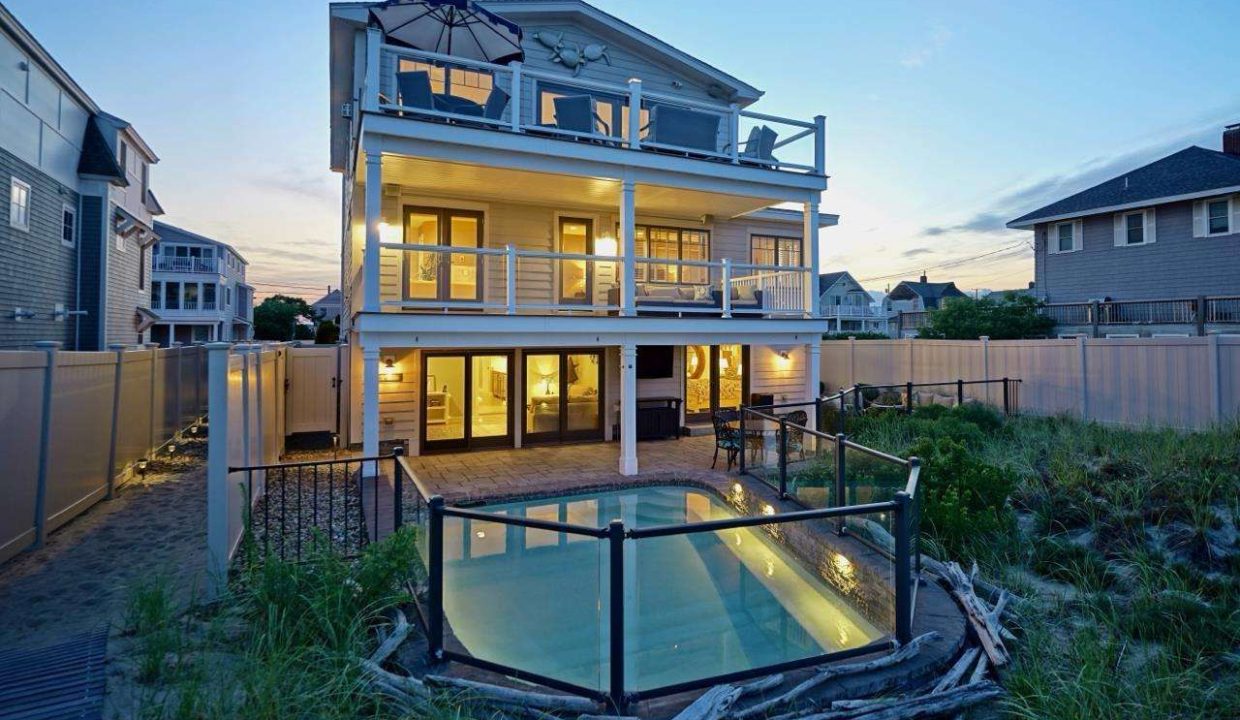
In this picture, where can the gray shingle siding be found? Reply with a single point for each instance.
(1176, 265)
(124, 294)
(37, 271)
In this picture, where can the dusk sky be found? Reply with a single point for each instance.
(945, 119)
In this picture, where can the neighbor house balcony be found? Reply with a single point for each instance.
(854, 312)
(186, 264)
(457, 93)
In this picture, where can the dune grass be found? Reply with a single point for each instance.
(1123, 539)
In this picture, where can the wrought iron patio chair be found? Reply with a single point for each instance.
(727, 436)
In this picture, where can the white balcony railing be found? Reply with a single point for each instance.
(854, 312)
(638, 119)
(515, 281)
(186, 264)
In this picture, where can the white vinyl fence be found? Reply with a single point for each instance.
(1177, 382)
(247, 419)
(74, 424)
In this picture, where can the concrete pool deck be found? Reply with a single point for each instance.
(513, 474)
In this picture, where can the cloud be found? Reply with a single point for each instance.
(935, 41)
(915, 252)
(983, 222)
(296, 180)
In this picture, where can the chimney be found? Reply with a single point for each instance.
(1231, 140)
(923, 277)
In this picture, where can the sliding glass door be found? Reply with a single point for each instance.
(714, 379)
(466, 400)
(563, 396)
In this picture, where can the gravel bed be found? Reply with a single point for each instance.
(323, 501)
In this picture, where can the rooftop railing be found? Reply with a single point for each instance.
(508, 98)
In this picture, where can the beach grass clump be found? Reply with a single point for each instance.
(1124, 541)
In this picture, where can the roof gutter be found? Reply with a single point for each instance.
(1026, 224)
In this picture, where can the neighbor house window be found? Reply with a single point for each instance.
(68, 225)
(672, 244)
(1134, 228)
(1218, 217)
(157, 289)
(19, 204)
(1063, 237)
(775, 250)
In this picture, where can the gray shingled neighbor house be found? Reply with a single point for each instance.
(1167, 230)
(76, 232)
(910, 296)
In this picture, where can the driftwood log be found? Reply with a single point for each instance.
(499, 695)
(908, 708)
(982, 620)
(835, 671)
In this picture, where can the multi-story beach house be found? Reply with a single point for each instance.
(198, 289)
(76, 230)
(848, 306)
(568, 241)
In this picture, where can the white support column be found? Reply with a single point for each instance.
(813, 374)
(370, 401)
(217, 468)
(628, 409)
(809, 251)
(370, 100)
(628, 246)
(374, 215)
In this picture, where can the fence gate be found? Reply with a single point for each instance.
(313, 395)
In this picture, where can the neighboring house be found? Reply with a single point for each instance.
(198, 289)
(919, 296)
(1166, 230)
(328, 307)
(74, 239)
(848, 306)
(583, 248)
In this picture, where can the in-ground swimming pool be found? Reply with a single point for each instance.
(695, 605)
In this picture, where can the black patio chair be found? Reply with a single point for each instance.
(797, 420)
(727, 436)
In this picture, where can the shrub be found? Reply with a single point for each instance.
(964, 499)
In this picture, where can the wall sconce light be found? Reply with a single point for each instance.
(388, 372)
(606, 246)
(783, 359)
(390, 233)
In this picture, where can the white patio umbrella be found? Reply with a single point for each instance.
(451, 27)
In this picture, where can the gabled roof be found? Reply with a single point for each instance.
(927, 291)
(1188, 174)
(172, 233)
(331, 298)
(97, 158)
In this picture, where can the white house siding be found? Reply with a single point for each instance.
(1176, 265)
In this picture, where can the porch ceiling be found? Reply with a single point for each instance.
(420, 176)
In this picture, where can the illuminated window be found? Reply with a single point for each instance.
(775, 250)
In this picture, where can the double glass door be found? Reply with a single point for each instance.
(443, 275)
(714, 379)
(563, 396)
(466, 400)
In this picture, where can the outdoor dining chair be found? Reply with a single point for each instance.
(797, 420)
(727, 436)
(575, 113)
(683, 128)
(415, 89)
(760, 147)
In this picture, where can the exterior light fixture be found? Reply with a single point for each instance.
(767, 509)
(388, 372)
(606, 246)
(142, 467)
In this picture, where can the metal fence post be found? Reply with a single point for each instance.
(908, 397)
(904, 575)
(110, 477)
(914, 464)
(841, 485)
(398, 489)
(783, 458)
(615, 537)
(49, 347)
(1007, 398)
(744, 443)
(840, 423)
(434, 598)
(960, 392)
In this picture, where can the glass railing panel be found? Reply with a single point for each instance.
(812, 469)
(527, 598)
(708, 603)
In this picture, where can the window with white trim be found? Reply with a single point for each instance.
(1218, 217)
(68, 225)
(19, 204)
(1063, 238)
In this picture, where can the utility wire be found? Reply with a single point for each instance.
(946, 264)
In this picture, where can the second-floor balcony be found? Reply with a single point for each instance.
(854, 312)
(430, 87)
(510, 280)
(185, 264)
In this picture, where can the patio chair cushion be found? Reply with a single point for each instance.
(685, 128)
(575, 113)
(415, 89)
(744, 293)
(497, 102)
(661, 292)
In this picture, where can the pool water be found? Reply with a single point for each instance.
(695, 605)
